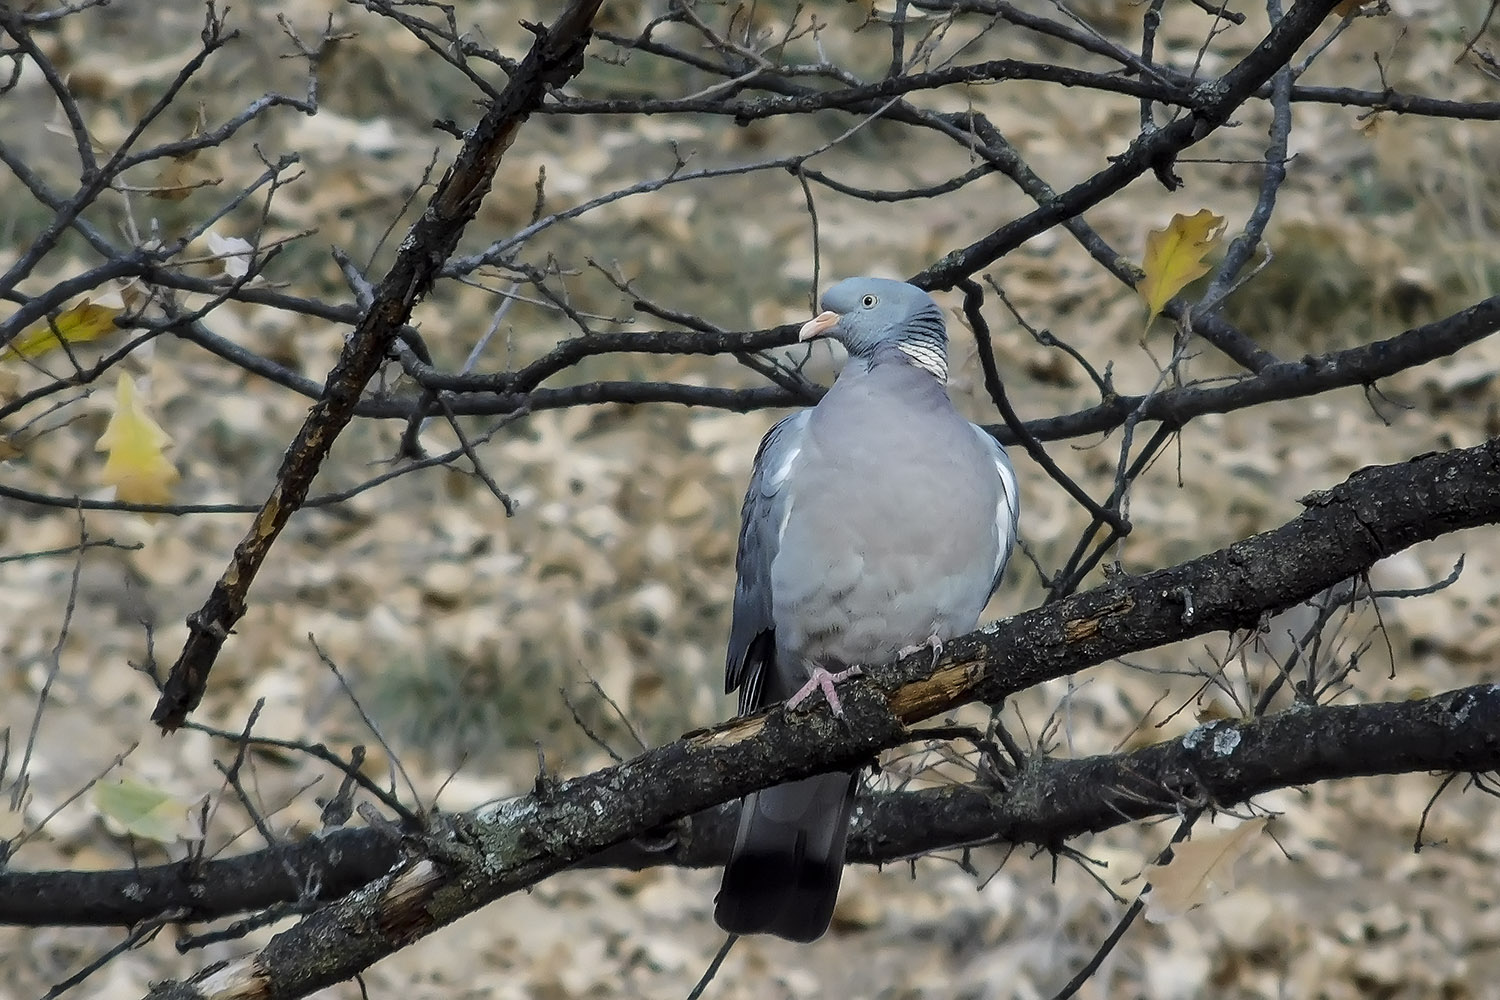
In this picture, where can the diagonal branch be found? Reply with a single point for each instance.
(555, 57)
(1343, 531)
(1218, 100)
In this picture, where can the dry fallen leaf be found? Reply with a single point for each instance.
(180, 177)
(84, 322)
(1201, 870)
(182, 174)
(233, 253)
(1174, 257)
(1213, 711)
(136, 467)
(885, 10)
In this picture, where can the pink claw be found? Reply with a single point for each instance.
(933, 643)
(823, 680)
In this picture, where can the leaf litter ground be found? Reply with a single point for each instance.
(458, 627)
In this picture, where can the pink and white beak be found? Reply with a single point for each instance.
(818, 325)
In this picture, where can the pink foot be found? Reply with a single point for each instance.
(933, 643)
(823, 680)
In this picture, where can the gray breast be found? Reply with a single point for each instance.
(891, 536)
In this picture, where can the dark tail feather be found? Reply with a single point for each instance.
(783, 874)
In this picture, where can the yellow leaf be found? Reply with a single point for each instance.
(1174, 257)
(1201, 870)
(136, 808)
(136, 467)
(82, 323)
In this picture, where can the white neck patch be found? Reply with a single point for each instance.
(926, 357)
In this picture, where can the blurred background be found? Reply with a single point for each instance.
(472, 638)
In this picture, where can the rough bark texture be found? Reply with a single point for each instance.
(1221, 763)
(1376, 512)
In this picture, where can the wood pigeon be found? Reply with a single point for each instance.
(876, 523)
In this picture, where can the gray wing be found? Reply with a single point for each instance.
(783, 873)
(1008, 509)
(762, 520)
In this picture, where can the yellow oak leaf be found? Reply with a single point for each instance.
(84, 322)
(136, 466)
(1201, 870)
(1174, 257)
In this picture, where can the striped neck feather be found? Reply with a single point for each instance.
(926, 356)
(925, 342)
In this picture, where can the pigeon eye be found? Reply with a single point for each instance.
(869, 300)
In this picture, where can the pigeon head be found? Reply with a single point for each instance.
(868, 315)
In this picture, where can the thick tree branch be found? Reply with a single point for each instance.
(1222, 763)
(1376, 512)
(336, 863)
